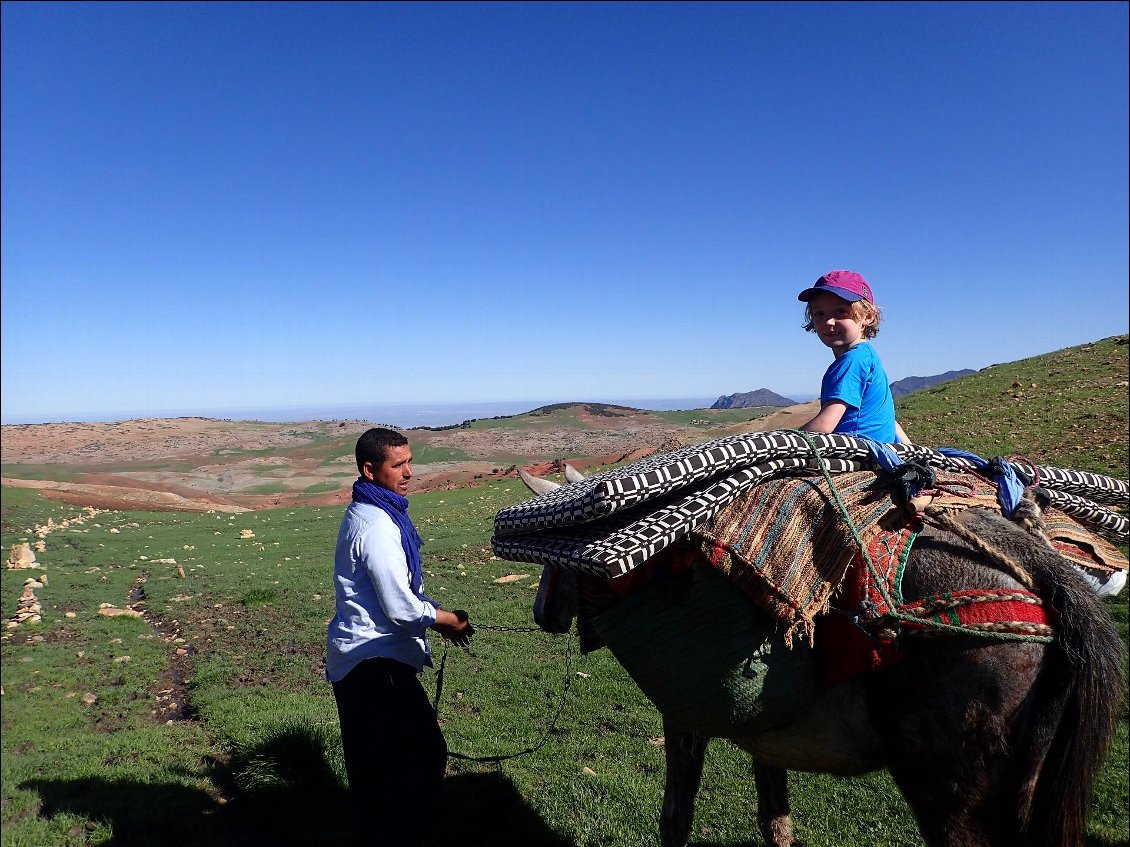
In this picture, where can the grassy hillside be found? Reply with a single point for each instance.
(208, 723)
(1068, 409)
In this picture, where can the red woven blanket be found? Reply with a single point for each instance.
(860, 637)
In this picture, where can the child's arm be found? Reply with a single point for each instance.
(901, 434)
(829, 416)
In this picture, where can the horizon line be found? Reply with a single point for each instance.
(359, 411)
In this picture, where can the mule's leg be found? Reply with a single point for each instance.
(685, 753)
(773, 805)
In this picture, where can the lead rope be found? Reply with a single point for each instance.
(566, 681)
(880, 583)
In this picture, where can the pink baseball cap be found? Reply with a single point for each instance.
(846, 284)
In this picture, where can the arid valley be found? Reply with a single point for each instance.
(203, 464)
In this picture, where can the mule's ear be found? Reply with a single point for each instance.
(1039, 496)
(536, 484)
(572, 474)
(1029, 514)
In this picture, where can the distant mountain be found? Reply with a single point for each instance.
(917, 383)
(765, 397)
(750, 399)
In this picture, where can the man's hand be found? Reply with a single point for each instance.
(454, 626)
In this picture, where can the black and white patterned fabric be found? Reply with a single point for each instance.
(1110, 525)
(1089, 486)
(615, 521)
(616, 545)
(656, 476)
(693, 467)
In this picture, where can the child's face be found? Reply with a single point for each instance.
(834, 322)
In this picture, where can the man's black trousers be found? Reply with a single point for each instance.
(395, 753)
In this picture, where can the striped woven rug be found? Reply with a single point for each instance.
(786, 545)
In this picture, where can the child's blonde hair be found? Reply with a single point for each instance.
(867, 314)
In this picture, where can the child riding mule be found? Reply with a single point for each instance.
(991, 742)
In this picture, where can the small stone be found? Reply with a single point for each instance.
(21, 556)
(112, 612)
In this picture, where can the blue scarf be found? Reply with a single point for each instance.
(396, 507)
(1010, 490)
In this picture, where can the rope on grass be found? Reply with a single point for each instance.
(566, 681)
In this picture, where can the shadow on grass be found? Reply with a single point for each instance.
(478, 810)
(142, 814)
(285, 792)
(484, 810)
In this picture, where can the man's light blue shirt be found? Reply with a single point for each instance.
(377, 613)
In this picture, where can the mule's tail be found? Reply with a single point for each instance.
(1076, 708)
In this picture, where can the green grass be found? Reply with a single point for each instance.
(233, 740)
(323, 487)
(270, 470)
(265, 488)
(55, 473)
(546, 416)
(254, 611)
(73, 472)
(714, 417)
(1066, 409)
(425, 454)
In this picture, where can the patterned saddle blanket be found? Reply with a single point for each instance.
(789, 543)
(614, 522)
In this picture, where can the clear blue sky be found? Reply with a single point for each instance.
(213, 206)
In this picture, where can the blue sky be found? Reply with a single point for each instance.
(212, 206)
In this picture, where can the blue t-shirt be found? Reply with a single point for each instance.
(857, 378)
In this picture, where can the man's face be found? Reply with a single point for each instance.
(394, 472)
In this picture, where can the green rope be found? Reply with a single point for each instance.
(893, 613)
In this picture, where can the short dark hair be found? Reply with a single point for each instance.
(373, 445)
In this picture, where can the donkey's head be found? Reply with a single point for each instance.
(555, 605)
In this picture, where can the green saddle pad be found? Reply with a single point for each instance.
(709, 660)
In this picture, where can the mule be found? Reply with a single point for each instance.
(990, 742)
